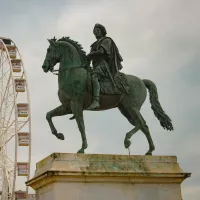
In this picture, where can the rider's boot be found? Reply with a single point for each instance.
(96, 93)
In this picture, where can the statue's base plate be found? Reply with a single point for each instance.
(63, 176)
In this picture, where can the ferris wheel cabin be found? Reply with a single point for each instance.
(10, 47)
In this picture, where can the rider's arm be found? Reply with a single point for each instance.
(95, 53)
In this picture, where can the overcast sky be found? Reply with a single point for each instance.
(158, 40)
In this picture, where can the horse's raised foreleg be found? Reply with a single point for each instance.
(59, 111)
(77, 110)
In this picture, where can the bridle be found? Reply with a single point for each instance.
(58, 70)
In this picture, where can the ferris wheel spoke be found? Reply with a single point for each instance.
(5, 92)
(3, 61)
(6, 109)
(9, 127)
(5, 166)
(8, 139)
(4, 74)
(10, 116)
(21, 124)
(7, 163)
(7, 113)
(9, 159)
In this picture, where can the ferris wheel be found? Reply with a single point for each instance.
(15, 123)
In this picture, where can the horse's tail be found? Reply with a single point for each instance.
(165, 121)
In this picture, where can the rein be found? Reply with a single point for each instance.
(57, 70)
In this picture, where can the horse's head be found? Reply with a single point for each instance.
(66, 51)
(52, 56)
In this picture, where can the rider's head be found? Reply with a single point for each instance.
(99, 30)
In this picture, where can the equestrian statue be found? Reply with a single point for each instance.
(100, 87)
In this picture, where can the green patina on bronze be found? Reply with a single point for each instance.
(100, 87)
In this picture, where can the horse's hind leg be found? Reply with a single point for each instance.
(59, 111)
(136, 119)
(145, 130)
(127, 141)
(128, 113)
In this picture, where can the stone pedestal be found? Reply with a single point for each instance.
(63, 176)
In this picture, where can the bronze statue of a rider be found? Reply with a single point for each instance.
(106, 61)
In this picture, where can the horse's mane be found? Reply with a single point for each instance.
(78, 47)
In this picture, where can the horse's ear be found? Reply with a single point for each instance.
(53, 43)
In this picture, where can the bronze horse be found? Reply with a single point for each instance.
(75, 96)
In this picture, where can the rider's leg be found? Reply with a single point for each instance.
(96, 92)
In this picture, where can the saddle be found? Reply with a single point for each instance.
(107, 87)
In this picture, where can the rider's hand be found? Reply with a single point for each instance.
(89, 57)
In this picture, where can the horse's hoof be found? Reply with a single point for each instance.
(60, 136)
(81, 151)
(148, 154)
(127, 144)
